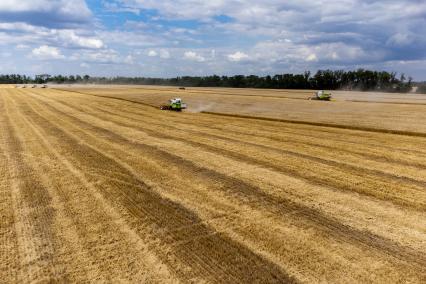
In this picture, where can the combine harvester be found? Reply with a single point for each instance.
(175, 104)
(321, 96)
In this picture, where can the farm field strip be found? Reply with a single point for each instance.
(350, 96)
(341, 113)
(145, 195)
(301, 130)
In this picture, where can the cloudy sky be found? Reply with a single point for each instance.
(196, 37)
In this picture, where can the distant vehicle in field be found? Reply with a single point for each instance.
(44, 87)
(321, 96)
(182, 88)
(175, 104)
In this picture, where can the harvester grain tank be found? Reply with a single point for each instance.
(175, 104)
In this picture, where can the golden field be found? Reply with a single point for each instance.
(99, 185)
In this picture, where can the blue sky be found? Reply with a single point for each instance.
(225, 37)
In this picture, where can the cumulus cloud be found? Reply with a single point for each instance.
(152, 53)
(193, 56)
(312, 57)
(71, 38)
(238, 56)
(47, 52)
(162, 53)
(48, 13)
(58, 37)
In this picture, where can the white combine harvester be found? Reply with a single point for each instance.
(321, 96)
(175, 104)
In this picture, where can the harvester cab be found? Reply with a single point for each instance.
(321, 96)
(175, 104)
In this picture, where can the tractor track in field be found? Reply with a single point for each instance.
(9, 245)
(386, 102)
(253, 195)
(111, 98)
(38, 243)
(322, 124)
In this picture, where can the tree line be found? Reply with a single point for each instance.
(361, 79)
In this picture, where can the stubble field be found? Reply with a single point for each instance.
(97, 184)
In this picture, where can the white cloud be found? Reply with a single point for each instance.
(162, 53)
(312, 57)
(152, 53)
(46, 13)
(19, 26)
(71, 38)
(58, 37)
(47, 52)
(238, 56)
(296, 53)
(193, 56)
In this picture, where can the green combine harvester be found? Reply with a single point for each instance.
(175, 104)
(321, 96)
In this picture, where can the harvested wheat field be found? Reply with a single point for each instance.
(98, 185)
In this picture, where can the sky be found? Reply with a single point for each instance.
(154, 38)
